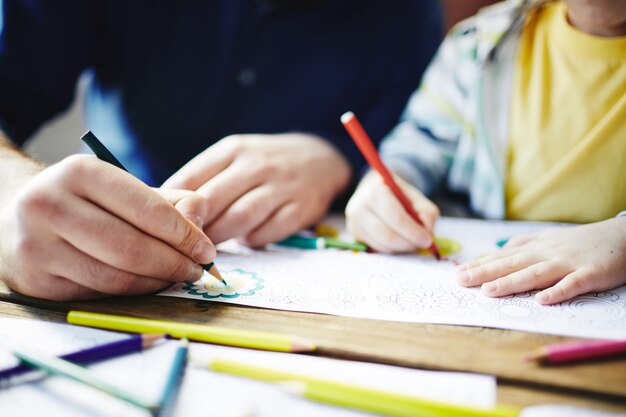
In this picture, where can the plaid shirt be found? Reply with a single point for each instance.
(455, 126)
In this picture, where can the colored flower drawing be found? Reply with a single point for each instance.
(240, 284)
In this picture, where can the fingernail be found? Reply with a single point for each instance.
(464, 278)
(543, 297)
(490, 287)
(203, 252)
(461, 267)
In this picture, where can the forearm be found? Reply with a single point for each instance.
(16, 168)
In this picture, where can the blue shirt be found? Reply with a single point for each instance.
(169, 78)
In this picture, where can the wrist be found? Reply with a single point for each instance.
(16, 169)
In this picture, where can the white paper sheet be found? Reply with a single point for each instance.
(409, 288)
(203, 392)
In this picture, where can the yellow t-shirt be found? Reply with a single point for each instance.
(567, 133)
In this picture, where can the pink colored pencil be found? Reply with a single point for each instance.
(577, 351)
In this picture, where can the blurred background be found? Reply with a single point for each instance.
(62, 135)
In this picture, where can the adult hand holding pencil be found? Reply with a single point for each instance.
(83, 228)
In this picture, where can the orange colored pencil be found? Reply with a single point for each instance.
(365, 145)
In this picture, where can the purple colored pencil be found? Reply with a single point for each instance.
(93, 354)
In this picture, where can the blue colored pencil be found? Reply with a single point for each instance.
(172, 384)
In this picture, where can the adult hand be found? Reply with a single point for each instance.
(375, 216)
(263, 188)
(565, 261)
(83, 228)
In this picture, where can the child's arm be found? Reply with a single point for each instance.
(419, 150)
(563, 262)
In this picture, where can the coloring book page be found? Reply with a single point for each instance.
(409, 288)
(204, 392)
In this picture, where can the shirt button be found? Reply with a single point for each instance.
(247, 77)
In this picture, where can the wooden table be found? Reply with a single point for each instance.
(599, 385)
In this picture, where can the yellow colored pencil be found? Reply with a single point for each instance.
(201, 333)
(354, 396)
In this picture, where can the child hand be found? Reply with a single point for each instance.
(565, 261)
(375, 216)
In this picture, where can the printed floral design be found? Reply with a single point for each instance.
(240, 284)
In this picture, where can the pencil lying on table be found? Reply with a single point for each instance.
(131, 344)
(61, 367)
(105, 155)
(365, 145)
(577, 351)
(174, 379)
(352, 396)
(198, 332)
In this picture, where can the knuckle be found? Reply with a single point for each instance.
(578, 284)
(537, 271)
(234, 144)
(181, 269)
(36, 202)
(130, 251)
(120, 283)
(73, 168)
(511, 263)
(27, 249)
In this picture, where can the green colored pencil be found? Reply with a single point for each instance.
(56, 366)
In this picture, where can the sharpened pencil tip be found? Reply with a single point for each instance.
(212, 269)
(346, 117)
(302, 345)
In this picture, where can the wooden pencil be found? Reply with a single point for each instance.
(61, 367)
(367, 148)
(201, 333)
(103, 153)
(10, 376)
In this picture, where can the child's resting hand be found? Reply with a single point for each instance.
(376, 217)
(565, 261)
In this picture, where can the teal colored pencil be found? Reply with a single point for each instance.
(56, 366)
(172, 384)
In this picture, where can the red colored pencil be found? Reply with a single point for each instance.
(365, 145)
(578, 351)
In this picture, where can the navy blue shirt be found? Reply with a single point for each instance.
(171, 77)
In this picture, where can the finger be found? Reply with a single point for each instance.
(203, 167)
(489, 257)
(518, 241)
(488, 270)
(426, 209)
(51, 287)
(115, 242)
(577, 283)
(246, 214)
(189, 204)
(536, 276)
(74, 265)
(134, 202)
(389, 210)
(284, 222)
(228, 186)
(378, 236)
